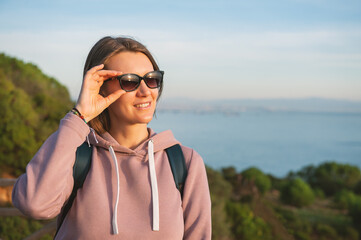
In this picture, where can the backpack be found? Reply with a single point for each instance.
(83, 162)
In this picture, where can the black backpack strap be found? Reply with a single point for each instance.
(178, 166)
(80, 170)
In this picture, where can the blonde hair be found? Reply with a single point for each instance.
(104, 49)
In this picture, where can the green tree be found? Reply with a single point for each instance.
(261, 180)
(357, 188)
(326, 232)
(17, 126)
(230, 174)
(245, 225)
(32, 105)
(221, 191)
(355, 212)
(330, 177)
(344, 199)
(297, 192)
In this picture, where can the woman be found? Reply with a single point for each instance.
(129, 192)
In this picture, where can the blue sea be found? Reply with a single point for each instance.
(275, 142)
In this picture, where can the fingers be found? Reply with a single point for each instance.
(106, 74)
(97, 74)
(96, 68)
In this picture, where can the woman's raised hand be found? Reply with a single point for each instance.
(90, 103)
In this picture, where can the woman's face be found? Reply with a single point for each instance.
(138, 106)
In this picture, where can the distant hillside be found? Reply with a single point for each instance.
(31, 106)
(236, 106)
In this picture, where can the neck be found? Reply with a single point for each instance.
(129, 136)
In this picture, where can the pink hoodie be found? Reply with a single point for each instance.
(128, 194)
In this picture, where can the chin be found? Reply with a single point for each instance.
(145, 119)
(148, 120)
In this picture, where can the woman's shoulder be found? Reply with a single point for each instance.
(188, 152)
(192, 157)
(166, 139)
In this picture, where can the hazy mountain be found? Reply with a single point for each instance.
(236, 106)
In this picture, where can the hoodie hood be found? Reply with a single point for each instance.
(144, 152)
(161, 141)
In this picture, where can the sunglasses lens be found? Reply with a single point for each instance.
(152, 82)
(153, 79)
(129, 82)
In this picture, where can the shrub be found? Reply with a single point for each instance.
(326, 232)
(261, 180)
(357, 188)
(19, 228)
(350, 233)
(220, 191)
(245, 225)
(355, 212)
(332, 176)
(31, 106)
(298, 227)
(344, 198)
(297, 193)
(299, 235)
(276, 183)
(319, 193)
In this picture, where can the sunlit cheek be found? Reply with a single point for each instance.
(155, 94)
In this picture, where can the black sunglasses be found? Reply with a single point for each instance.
(130, 81)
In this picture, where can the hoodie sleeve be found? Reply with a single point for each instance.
(196, 199)
(41, 192)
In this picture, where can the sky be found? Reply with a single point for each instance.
(208, 49)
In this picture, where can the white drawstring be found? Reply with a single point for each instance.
(154, 185)
(115, 212)
(95, 137)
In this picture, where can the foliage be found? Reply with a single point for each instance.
(220, 191)
(277, 183)
(245, 225)
(230, 175)
(357, 188)
(331, 176)
(235, 179)
(301, 236)
(349, 233)
(344, 199)
(261, 180)
(17, 126)
(325, 232)
(297, 193)
(19, 228)
(318, 193)
(313, 224)
(31, 106)
(297, 226)
(355, 212)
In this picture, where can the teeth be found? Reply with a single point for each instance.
(143, 105)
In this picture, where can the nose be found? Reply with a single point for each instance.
(143, 90)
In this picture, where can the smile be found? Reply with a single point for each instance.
(142, 105)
